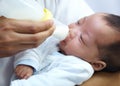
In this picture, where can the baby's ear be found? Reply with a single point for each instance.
(98, 65)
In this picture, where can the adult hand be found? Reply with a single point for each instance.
(19, 35)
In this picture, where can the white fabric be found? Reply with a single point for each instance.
(56, 69)
(61, 71)
(66, 11)
(34, 57)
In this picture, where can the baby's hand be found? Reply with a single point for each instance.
(23, 71)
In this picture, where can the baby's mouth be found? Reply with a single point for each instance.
(63, 42)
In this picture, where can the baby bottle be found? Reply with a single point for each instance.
(30, 10)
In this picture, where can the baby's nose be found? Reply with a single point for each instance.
(72, 33)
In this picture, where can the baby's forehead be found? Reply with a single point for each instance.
(98, 16)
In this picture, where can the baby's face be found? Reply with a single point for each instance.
(86, 35)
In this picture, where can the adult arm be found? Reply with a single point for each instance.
(103, 79)
(19, 35)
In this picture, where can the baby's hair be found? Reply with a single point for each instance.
(113, 21)
(111, 53)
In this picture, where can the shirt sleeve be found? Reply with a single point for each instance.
(34, 57)
(62, 72)
(28, 57)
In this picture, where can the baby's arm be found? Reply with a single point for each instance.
(32, 58)
(26, 63)
(23, 71)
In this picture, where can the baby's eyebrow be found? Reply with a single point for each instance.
(83, 20)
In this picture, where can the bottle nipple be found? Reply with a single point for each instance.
(61, 32)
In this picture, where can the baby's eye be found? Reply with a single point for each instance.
(82, 39)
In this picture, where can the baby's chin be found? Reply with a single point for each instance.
(61, 51)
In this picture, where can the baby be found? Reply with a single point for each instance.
(93, 44)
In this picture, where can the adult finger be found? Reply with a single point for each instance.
(34, 39)
(30, 26)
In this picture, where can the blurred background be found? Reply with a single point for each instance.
(110, 6)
